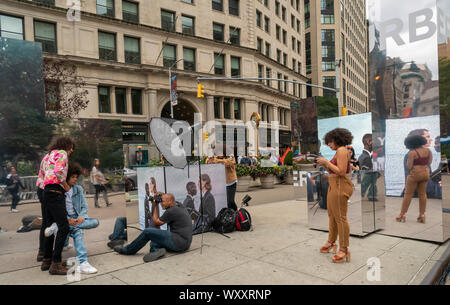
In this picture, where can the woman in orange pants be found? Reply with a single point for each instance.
(419, 160)
(339, 191)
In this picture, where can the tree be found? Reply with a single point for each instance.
(444, 95)
(69, 92)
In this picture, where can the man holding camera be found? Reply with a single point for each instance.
(178, 239)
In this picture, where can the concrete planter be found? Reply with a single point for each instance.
(307, 167)
(243, 184)
(267, 182)
(289, 178)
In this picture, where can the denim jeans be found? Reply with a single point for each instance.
(76, 232)
(119, 232)
(159, 239)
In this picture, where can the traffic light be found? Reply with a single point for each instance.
(344, 111)
(200, 91)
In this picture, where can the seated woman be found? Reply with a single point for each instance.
(77, 208)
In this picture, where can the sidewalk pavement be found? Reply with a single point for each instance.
(280, 250)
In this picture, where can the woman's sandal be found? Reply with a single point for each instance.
(340, 259)
(326, 249)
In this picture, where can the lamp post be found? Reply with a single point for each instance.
(170, 86)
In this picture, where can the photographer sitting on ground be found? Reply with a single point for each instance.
(178, 239)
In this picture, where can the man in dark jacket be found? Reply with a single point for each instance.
(188, 203)
(369, 179)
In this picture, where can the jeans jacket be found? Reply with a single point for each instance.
(79, 202)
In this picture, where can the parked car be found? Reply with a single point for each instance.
(300, 157)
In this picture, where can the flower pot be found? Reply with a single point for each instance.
(289, 178)
(267, 182)
(307, 167)
(243, 184)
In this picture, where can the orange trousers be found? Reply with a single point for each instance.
(417, 179)
(339, 191)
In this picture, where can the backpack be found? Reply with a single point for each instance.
(201, 225)
(243, 220)
(225, 221)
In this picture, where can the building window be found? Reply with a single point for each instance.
(235, 66)
(47, 2)
(132, 50)
(285, 59)
(235, 36)
(226, 108)
(285, 85)
(233, 7)
(104, 102)
(136, 101)
(268, 75)
(121, 100)
(168, 21)
(260, 72)
(294, 88)
(169, 55)
(307, 14)
(188, 25)
(267, 49)
(277, 8)
(308, 53)
(328, 66)
(258, 19)
(328, 52)
(283, 13)
(219, 64)
(105, 8)
(279, 56)
(294, 64)
(298, 26)
(237, 109)
(188, 1)
(189, 59)
(266, 3)
(218, 32)
(279, 82)
(329, 82)
(107, 46)
(217, 107)
(130, 11)
(51, 96)
(45, 33)
(293, 21)
(259, 44)
(293, 43)
(327, 19)
(299, 47)
(266, 24)
(278, 32)
(217, 5)
(11, 27)
(284, 37)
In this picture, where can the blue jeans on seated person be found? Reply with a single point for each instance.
(158, 239)
(119, 232)
(76, 232)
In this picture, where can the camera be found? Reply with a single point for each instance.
(157, 198)
(245, 200)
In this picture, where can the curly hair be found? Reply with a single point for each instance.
(415, 141)
(61, 143)
(340, 137)
(74, 169)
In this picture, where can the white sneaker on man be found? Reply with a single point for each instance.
(14, 211)
(86, 268)
(69, 246)
(53, 229)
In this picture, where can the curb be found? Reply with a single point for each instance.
(440, 270)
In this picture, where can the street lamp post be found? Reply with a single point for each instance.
(338, 85)
(170, 86)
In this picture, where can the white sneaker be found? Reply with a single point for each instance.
(14, 211)
(86, 268)
(69, 246)
(53, 229)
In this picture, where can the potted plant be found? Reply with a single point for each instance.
(288, 162)
(306, 165)
(265, 174)
(243, 173)
(117, 183)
